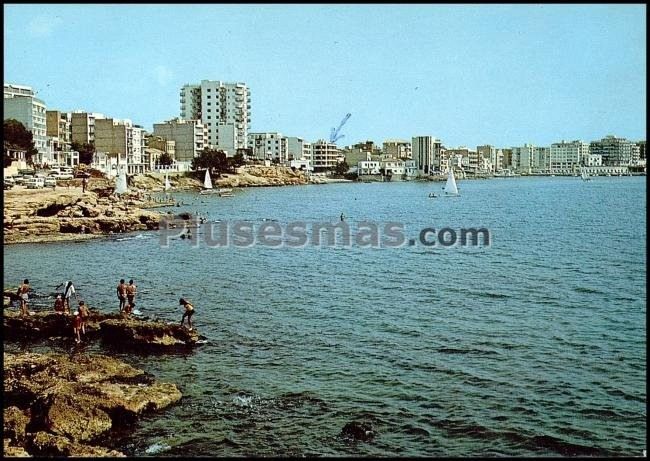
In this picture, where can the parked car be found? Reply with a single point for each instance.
(50, 182)
(8, 183)
(35, 183)
(62, 175)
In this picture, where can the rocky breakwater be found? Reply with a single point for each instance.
(249, 176)
(57, 405)
(65, 214)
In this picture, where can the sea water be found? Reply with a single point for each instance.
(533, 345)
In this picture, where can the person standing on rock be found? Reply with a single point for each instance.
(24, 297)
(121, 294)
(84, 184)
(131, 291)
(189, 311)
(76, 326)
(67, 293)
(84, 313)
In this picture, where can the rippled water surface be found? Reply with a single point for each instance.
(535, 345)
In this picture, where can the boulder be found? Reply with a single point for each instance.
(358, 431)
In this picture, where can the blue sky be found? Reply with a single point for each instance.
(467, 74)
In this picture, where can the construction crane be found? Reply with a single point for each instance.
(334, 135)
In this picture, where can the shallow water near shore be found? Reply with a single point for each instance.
(535, 345)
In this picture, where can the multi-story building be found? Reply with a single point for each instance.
(565, 157)
(59, 135)
(368, 168)
(490, 157)
(119, 145)
(21, 104)
(397, 148)
(615, 151)
(426, 153)
(189, 137)
(325, 155)
(82, 126)
(295, 148)
(530, 159)
(223, 108)
(269, 146)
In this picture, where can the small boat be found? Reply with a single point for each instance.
(584, 176)
(433, 195)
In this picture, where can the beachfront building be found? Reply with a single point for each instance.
(269, 146)
(397, 148)
(121, 144)
(296, 149)
(614, 150)
(490, 158)
(368, 168)
(325, 155)
(426, 153)
(82, 126)
(530, 159)
(223, 108)
(21, 104)
(189, 137)
(59, 138)
(566, 157)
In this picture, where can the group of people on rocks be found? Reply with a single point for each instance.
(125, 293)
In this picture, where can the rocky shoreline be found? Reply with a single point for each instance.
(69, 214)
(59, 405)
(68, 405)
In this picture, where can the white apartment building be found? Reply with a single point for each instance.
(223, 108)
(325, 155)
(529, 158)
(189, 137)
(368, 167)
(269, 146)
(565, 157)
(426, 153)
(20, 103)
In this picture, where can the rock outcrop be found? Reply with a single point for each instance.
(31, 215)
(146, 333)
(57, 405)
(250, 176)
(46, 324)
(112, 328)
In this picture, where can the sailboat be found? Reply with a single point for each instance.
(167, 183)
(584, 175)
(121, 186)
(207, 184)
(208, 189)
(451, 190)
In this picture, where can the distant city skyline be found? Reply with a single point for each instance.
(469, 75)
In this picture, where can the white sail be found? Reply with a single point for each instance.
(120, 184)
(167, 184)
(207, 182)
(450, 187)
